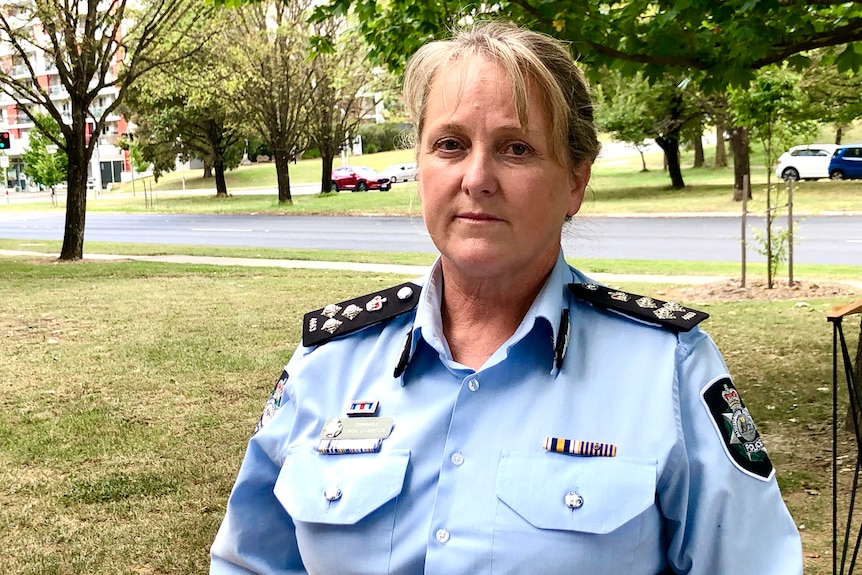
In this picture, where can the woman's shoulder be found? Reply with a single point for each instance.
(668, 315)
(342, 318)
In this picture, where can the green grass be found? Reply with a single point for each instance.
(129, 391)
(592, 265)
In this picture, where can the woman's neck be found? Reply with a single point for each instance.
(480, 315)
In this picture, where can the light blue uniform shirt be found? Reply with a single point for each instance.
(463, 484)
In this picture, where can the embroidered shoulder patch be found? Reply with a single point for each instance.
(735, 426)
(338, 319)
(273, 403)
(666, 314)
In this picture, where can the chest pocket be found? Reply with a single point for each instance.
(574, 508)
(344, 502)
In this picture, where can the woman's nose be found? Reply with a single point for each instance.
(479, 173)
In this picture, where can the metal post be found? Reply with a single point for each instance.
(790, 232)
(744, 222)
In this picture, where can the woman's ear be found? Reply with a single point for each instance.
(580, 178)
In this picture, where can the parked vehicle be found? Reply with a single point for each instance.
(358, 179)
(807, 162)
(846, 163)
(401, 172)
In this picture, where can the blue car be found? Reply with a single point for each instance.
(846, 162)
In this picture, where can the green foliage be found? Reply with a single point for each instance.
(773, 108)
(136, 155)
(383, 137)
(187, 108)
(776, 250)
(726, 40)
(625, 108)
(829, 94)
(46, 168)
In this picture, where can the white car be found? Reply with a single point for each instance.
(400, 172)
(807, 162)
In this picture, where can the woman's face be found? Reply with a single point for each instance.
(493, 197)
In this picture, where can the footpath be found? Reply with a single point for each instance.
(351, 266)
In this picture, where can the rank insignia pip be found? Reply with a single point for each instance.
(735, 426)
(321, 325)
(667, 314)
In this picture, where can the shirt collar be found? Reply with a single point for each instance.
(547, 307)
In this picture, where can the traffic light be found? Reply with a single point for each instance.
(5, 144)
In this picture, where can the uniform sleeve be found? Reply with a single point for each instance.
(719, 495)
(257, 534)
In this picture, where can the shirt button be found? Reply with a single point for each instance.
(473, 384)
(457, 458)
(332, 494)
(573, 500)
(442, 535)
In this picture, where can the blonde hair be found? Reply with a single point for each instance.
(529, 59)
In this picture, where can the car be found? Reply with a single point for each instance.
(358, 179)
(401, 172)
(806, 162)
(846, 162)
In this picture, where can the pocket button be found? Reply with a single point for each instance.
(573, 500)
(332, 493)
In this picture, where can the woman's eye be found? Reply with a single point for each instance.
(448, 145)
(518, 149)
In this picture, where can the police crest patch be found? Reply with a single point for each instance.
(273, 403)
(735, 426)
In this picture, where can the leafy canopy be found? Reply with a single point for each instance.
(727, 40)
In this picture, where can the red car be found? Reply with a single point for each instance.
(358, 179)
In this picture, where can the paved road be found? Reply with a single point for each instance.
(823, 239)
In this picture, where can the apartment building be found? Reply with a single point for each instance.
(109, 163)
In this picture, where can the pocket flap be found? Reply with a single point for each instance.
(338, 489)
(613, 490)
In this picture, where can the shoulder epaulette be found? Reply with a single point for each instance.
(337, 319)
(667, 314)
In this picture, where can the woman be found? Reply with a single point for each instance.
(504, 414)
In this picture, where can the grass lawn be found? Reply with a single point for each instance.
(129, 390)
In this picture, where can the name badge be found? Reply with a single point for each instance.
(356, 428)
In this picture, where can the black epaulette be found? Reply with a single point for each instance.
(338, 319)
(667, 314)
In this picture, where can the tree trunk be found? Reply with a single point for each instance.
(282, 174)
(699, 162)
(720, 152)
(326, 172)
(643, 160)
(76, 191)
(208, 170)
(741, 162)
(670, 145)
(218, 170)
(839, 133)
(76, 210)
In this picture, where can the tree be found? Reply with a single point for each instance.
(47, 168)
(190, 107)
(634, 110)
(272, 47)
(94, 45)
(829, 94)
(772, 107)
(343, 79)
